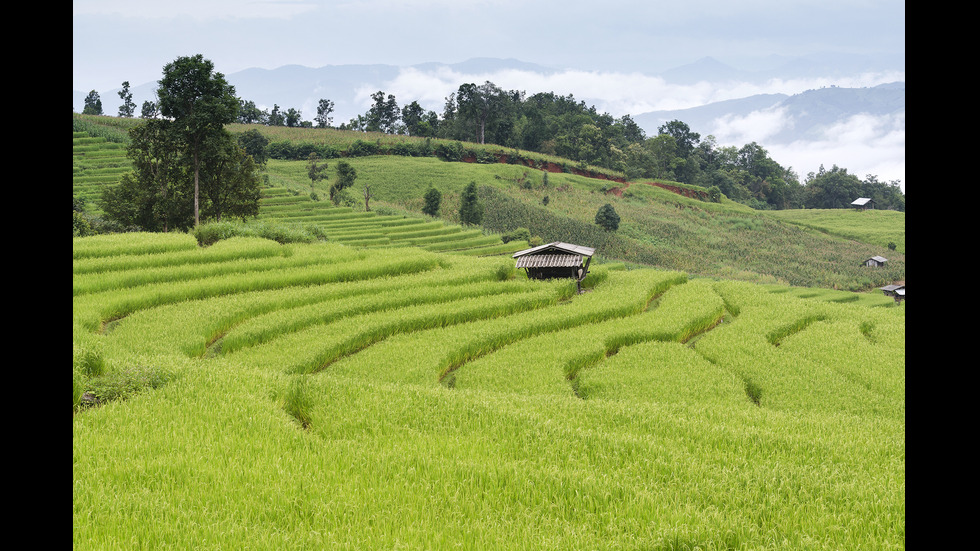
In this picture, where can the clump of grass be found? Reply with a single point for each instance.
(506, 272)
(754, 391)
(91, 363)
(298, 402)
(211, 233)
(123, 384)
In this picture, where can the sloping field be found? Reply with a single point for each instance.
(881, 227)
(265, 396)
(96, 163)
(343, 224)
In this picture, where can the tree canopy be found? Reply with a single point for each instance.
(185, 164)
(559, 125)
(199, 102)
(93, 104)
(470, 209)
(607, 218)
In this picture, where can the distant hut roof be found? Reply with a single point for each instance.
(555, 259)
(863, 202)
(878, 259)
(550, 261)
(558, 248)
(897, 291)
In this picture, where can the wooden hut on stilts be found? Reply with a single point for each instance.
(556, 260)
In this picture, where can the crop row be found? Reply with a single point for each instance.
(369, 229)
(313, 266)
(96, 163)
(322, 404)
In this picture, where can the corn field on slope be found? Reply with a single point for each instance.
(270, 396)
(658, 227)
(99, 162)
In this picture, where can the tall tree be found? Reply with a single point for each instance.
(293, 118)
(470, 209)
(128, 108)
(93, 104)
(230, 181)
(685, 139)
(200, 102)
(249, 113)
(153, 196)
(316, 169)
(150, 110)
(323, 111)
(383, 115)
(831, 189)
(412, 117)
(276, 118)
(482, 106)
(367, 198)
(607, 218)
(432, 200)
(346, 174)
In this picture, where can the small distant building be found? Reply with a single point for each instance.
(897, 291)
(863, 203)
(556, 260)
(875, 261)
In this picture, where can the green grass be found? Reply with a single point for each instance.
(658, 228)
(880, 227)
(96, 163)
(315, 395)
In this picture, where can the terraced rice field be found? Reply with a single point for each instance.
(96, 163)
(336, 396)
(369, 229)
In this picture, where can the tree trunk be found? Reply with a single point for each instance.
(197, 190)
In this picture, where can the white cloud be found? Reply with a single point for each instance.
(863, 144)
(195, 9)
(618, 93)
(757, 126)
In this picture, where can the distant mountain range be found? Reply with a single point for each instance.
(806, 115)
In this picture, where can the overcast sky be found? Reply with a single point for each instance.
(116, 40)
(131, 40)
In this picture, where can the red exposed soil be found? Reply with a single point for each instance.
(617, 191)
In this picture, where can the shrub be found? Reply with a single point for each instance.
(470, 209)
(361, 148)
(607, 218)
(450, 152)
(126, 383)
(212, 232)
(346, 174)
(506, 272)
(282, 150)
(714, 193)
(343, 197)
(432, 200)
(520, 234)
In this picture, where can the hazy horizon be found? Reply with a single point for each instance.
(609, 56)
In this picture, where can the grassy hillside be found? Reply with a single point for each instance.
(879, 227)
(550, 198)
(320, 396)
(659, 228)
